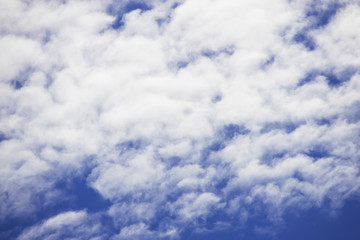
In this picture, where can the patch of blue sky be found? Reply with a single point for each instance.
(173, 195)
(2, 137)
(271, 156)
(232, 225)
(172, 161)
(231, 131)
(135, 5)
(176, 4)
(322, 15)
(304, 38)
(46, 37)
(309, 77)
(129, 146)
(10, 228)
(119, 13)
(161, 21)
(20, 80)
(118, 22)
(268, 62)
(209, 53)
(352, 113)
(221, 183)
(49, 80)
(318, 16)
(317, 151)
(298, 176)
(75, 195)
(182, 64)
(224, 136)
(161, 218)
(333, 79)
(81, 196)
(218, 225)
(216, 98)
(217, 146)
(313, 224)
(288, 127)
(324, 121)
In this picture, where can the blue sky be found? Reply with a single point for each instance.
(179, 119)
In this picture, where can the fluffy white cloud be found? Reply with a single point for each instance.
(187, 108)
(68, 225)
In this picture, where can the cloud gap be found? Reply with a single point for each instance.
(317, 152)
(268, 62)
(46, 37)
(322, 15)
(223, 136)
(130, 145)
(309, 77)
(288, 127)
(352, 113)
(22, 78)
(172, 161)
(162, 21)
(209, 53)
(305, 39)
(216, 98)
(271, 157)
(3, 137)
(12, 227)
(161, 218)
(182, 64)
(333, 79)
(231, 131)
(72, 193)
(121, 10)
(324, 121)
(82, 196)
(215, 226)
(299, 176)
(316, 220)
(319, 16)
(223, 180)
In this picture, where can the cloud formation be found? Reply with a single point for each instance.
(174, 113)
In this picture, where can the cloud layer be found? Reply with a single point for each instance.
(178, 114)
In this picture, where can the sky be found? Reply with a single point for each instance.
(179, 119)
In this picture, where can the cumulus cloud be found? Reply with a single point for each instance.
(175, 111)
(68, 225)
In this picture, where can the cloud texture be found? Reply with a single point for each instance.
(176, 113)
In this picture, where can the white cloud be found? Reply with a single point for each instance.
(142, 108)
(192, 205)
(68, 225)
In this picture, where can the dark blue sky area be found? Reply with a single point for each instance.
(313, 224)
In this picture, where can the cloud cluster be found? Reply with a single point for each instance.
(176, 112)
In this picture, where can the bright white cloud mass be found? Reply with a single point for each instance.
(129, 119)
